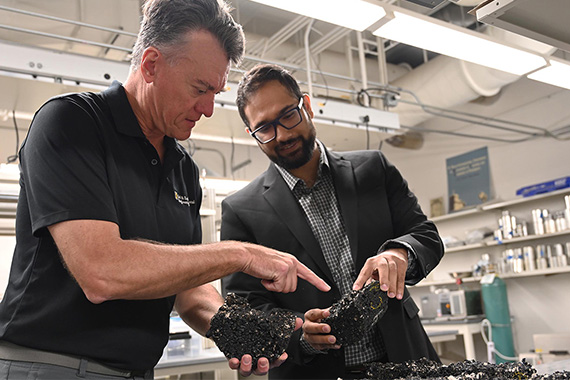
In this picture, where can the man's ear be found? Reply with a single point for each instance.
(307, 104)
(148, 63)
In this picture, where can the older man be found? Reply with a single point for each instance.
(108, 217)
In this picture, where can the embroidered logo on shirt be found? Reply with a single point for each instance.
(183, 199)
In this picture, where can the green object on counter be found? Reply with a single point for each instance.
(496, 306)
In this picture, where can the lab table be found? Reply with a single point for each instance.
(212, 359)
(465, 327)
(207, 360)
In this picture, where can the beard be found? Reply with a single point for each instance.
(300, 159)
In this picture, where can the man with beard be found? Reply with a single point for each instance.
(339, 214)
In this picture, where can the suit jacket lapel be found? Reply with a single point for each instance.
(283, 201)
(345, 186)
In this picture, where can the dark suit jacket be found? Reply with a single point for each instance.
(377, 208)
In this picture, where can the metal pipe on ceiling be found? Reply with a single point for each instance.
(362, 60)
(318, 47)
(71, 39)
(308, 57)
(67, 21)
(263, 46)
(382, 64)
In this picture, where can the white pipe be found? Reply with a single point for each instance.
(447, 82)
(308, 57)
(382, 66)
(348, 52)
(362, 60)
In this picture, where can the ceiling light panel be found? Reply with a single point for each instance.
(464, 44)
(352, 14)
(557, 74)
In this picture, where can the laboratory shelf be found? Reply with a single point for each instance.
(527, 238)
(506, 242)
(498, 205)
(467, 247)
(537, 272)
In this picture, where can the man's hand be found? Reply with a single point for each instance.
(318, 334)
(263, 366)
(389, 268)
(278, 271)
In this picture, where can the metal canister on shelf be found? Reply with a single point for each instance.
(518, 261)
(506, 224)
(561, 258)
(517, 231)
(541, 262)
(505, 263)
(521, 230)
(529, 260)
(561, 223)
(514, 226)
(524, 229)
(498, 235)
(549, 223)
(537, 221)
(551, 257)
(510, 260)
(567, 211)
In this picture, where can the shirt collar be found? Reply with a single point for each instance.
(125, 120)
(124, 117)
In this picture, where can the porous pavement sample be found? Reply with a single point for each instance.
(237, 329)
(355, 313)
(423, 369)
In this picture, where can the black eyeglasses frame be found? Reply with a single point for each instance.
(274, 123)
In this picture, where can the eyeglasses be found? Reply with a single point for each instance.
(288, 120)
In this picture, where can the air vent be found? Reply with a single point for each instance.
(427, 3)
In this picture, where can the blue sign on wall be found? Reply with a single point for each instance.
(468, 179)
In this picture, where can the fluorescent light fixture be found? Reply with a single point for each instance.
(557, 74)
(352, 14)
(447, 39)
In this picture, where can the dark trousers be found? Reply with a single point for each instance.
(17, 370)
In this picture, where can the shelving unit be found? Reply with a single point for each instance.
(505, 242)
(493, 246)
(498, 205)
(538, 272)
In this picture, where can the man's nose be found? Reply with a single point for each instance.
(282, 133)
(205, 106)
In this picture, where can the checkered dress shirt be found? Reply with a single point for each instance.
(323, 214)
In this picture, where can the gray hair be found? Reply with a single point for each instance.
(165, 25)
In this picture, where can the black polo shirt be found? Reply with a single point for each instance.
(85, 157)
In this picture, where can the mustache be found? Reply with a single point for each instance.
(288, 142)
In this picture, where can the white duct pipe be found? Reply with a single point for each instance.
(447, 82)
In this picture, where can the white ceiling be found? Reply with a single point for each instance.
(272, 35)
